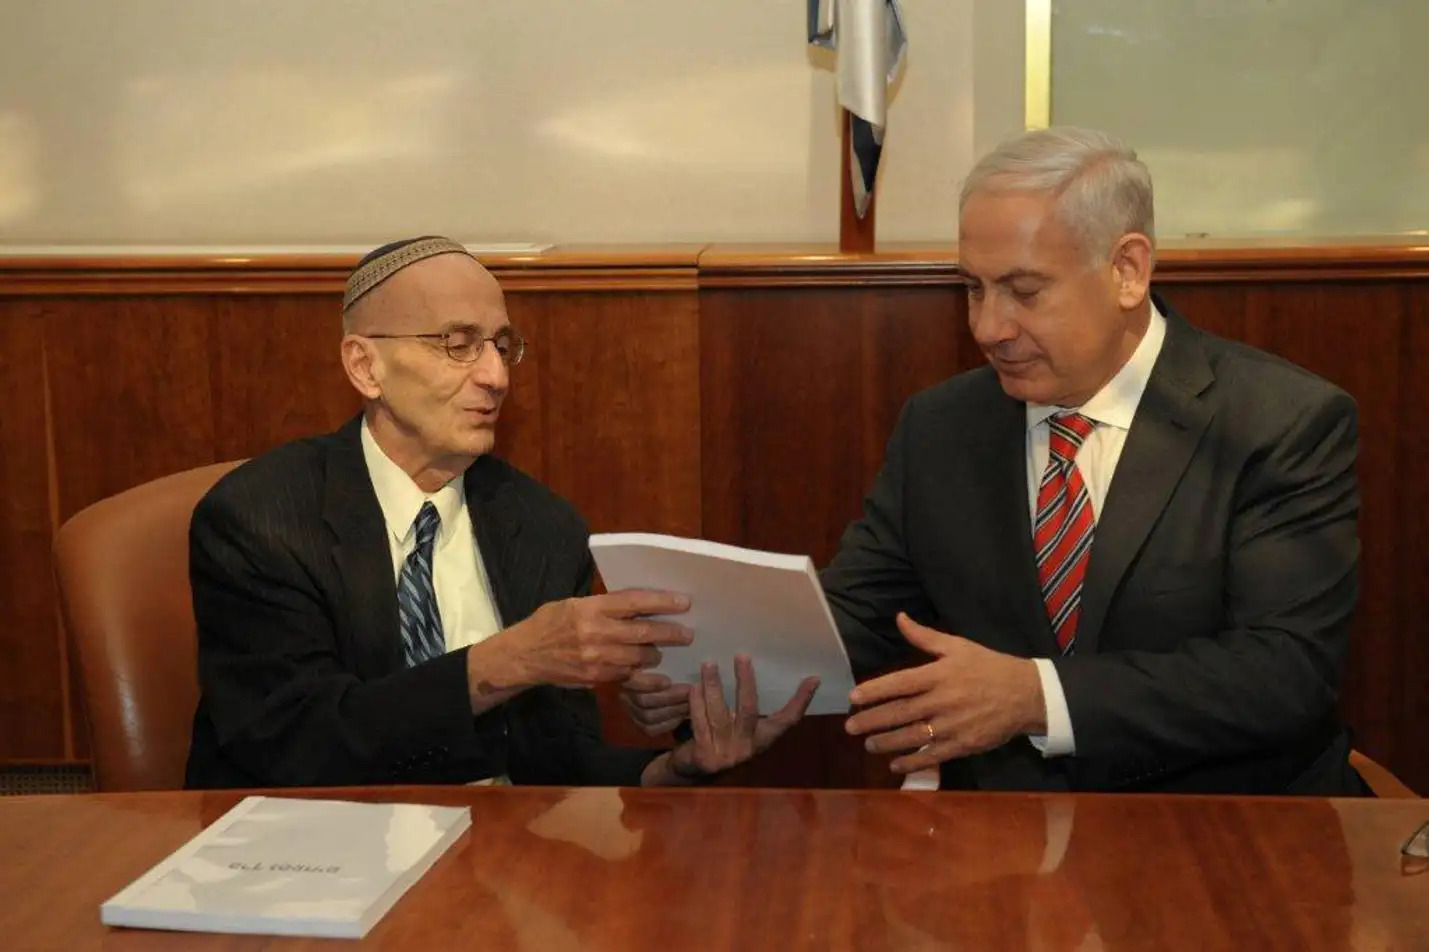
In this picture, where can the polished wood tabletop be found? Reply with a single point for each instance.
(561, 869)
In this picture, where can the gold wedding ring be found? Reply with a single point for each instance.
(932, 734)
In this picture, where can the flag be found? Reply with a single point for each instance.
(871, 44)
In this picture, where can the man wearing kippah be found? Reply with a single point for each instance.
(391, 603)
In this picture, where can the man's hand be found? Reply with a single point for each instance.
(578, 642)
(723, 739)
(972, 698)
(654, 702)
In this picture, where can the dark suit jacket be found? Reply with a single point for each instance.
(1217, 603)
(300, 654)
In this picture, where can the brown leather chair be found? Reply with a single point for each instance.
(123, 570)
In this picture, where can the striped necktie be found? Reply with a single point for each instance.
(1062, 535)
(421, 621)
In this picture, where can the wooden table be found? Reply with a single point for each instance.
(555, 869)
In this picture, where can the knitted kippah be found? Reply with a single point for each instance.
(379, 265)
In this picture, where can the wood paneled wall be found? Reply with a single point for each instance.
(742, 394)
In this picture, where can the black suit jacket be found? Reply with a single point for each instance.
(1217, 603)
(300, 654)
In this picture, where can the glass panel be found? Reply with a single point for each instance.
(1301, 117)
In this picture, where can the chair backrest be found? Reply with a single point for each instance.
(123, 570)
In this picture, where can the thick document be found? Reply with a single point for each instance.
(279, 866)
(742, 601)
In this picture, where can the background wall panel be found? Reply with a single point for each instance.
(32, 673)
(130, 390)
(739, 396)
(618, 403)
(274, 370)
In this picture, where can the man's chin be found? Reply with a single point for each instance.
(1025, 388)
(478, 441)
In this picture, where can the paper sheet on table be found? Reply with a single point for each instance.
(762, 604)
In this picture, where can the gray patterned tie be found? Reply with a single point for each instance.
(421, 621)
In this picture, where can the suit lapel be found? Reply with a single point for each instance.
(514, 567)
(1165, 432)
(361, 552)
(363, 555)
(1013, 562)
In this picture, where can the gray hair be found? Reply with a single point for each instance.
(1102, 190)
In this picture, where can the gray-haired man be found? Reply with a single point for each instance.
(1123, 555)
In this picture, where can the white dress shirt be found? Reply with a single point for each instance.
(464, 597)
(1113, 408)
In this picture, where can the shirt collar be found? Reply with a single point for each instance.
(401, 499)
(1115, 404)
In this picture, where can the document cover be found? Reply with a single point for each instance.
(742, 601)
(279, 866)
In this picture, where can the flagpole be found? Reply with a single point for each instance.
(855, 234)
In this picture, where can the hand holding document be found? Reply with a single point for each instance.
(743, 601)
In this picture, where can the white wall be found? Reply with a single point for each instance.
(348, 122)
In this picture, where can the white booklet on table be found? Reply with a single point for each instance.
(742, 601)
(280, 866)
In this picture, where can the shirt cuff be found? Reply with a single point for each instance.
(1058, 741)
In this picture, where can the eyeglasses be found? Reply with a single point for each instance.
(465, 344)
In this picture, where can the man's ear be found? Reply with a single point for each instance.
(363, 366)
(1132, 260)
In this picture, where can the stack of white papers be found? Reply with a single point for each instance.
(743, 601)
(276, 866)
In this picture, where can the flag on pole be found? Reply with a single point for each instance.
(869, 38)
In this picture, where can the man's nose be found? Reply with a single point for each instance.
(489, 370)
(990, 324)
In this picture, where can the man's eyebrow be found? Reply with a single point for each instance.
(1017, 274)
(1014, 275)
(503, 328)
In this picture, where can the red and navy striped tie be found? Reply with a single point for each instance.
(1062, 534)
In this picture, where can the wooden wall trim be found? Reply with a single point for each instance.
(574, 268)
(804, 266)
(1369, 259)
(688, 267)
(599, 279)
(1182, 261)
(16, 282)
(601, 268)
